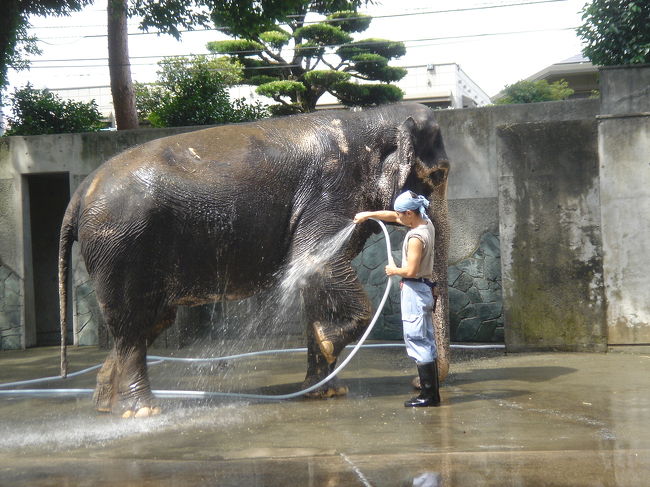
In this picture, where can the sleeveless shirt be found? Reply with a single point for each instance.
(427, 235)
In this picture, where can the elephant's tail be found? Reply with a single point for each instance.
(66, 239)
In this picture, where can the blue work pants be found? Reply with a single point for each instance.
(417, 308)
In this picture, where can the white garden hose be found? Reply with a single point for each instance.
(326, 379)
(205, 394)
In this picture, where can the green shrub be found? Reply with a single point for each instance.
(193, 91)
(535, 91)
(37, 112)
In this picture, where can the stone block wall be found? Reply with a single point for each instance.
(11, 300)
(503, 192)
(475, 302)
(11, 285)
(369, 265)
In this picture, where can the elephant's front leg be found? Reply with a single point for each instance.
(318, 368)
(338, 312)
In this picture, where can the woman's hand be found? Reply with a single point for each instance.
(414, 256)
(362, 216)
(392, 270)
(383, 215)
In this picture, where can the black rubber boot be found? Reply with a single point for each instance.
(430, 387)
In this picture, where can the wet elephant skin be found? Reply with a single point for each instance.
(215, 214)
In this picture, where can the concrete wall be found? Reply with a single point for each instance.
(497, 200)
(77, 155)
(475, 303)
(470, 137)
(475, 295)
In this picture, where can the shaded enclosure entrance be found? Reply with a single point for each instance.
(48, 198)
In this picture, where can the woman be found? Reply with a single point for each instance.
(416, 289)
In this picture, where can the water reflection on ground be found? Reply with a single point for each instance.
(539, 419)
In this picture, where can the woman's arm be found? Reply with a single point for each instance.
(413, 258)
(383, 215)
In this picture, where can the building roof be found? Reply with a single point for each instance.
(571, 67)
(577, 71)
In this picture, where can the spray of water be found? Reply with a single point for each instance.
(53, 430)
(270, 320)
(295, 276)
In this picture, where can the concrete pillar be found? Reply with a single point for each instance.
(624, 151)
(551, 252)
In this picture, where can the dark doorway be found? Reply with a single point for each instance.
(48, 198)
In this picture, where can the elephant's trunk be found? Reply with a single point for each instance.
(439, 214)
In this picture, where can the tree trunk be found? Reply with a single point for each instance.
(119, 66)
(10, 21)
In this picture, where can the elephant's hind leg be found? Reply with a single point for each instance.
(105, 394)
(123, 382)
(135, 398)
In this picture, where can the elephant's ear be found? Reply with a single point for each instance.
(405, 148)
(397, 165)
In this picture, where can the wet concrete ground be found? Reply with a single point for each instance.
(507, 420)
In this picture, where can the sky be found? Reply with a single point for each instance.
(496, 42)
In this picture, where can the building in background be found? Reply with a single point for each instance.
(442, 86)
(577, 71)
(101, 95)
(434, 85)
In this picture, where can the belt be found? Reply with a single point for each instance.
(420, 279)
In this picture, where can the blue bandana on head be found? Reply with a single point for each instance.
(407, 202)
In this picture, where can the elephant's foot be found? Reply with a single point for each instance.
(104, 397)
(105, 402)
(138, 404)
(332, 388)
(328, 342)
(328, 391)
(140, 407)
(143, 412)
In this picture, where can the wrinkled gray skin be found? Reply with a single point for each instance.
(214, 214)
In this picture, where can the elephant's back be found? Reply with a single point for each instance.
(181, 192)
(287, 146)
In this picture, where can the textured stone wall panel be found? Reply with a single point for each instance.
(10, 309)
(475, 300)
(475, 303)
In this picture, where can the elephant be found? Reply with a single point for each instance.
(214, 214)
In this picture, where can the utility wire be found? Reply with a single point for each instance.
(403, 14)
(431, 39)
